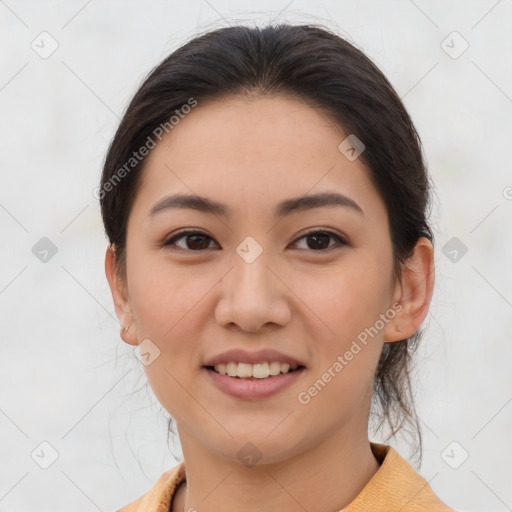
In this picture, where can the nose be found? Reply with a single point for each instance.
(252, 296)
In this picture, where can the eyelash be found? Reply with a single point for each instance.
(183, 234)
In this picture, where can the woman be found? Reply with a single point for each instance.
(265, 200)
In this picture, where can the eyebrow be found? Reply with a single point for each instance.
(286, 207)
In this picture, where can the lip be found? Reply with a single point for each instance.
(253, 389)
(259, 356)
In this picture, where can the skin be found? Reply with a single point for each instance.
(309, 302)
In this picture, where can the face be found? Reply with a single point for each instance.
(307, 282)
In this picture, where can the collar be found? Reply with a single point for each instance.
(396, 486)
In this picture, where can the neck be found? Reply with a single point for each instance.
(328, 476)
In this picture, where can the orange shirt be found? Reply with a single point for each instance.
(396, 486)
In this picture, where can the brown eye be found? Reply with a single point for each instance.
(194, 241)
(319, 240)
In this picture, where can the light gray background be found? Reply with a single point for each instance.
(65, 375)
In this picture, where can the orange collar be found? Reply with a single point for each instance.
(396, 486)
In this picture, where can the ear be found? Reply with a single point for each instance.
(120, 296)
(413, 291)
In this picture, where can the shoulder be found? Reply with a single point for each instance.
(158, 497)
(396, 486)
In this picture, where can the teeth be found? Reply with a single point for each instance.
(258, 371)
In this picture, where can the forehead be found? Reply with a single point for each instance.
(254, 129)
(255, 150)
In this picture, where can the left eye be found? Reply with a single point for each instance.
(320, 238)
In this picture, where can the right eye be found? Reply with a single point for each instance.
(194, 241)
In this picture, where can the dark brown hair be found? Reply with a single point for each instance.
(328, 72)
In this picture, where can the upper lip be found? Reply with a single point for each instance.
(259, 356)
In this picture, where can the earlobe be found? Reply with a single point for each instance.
(120, 298)
(414, 292)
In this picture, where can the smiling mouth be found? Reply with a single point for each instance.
(283, 371)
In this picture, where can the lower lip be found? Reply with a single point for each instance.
(253, 388)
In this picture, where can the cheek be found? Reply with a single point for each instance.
(165, 298)
(349, 299)
(350, 305)
(350, 302)
(167, 310)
